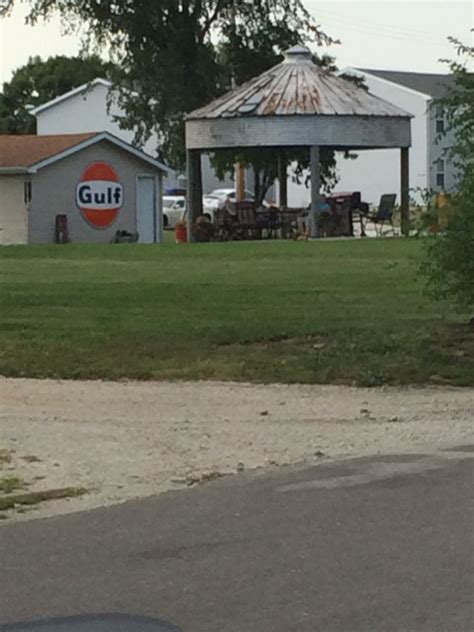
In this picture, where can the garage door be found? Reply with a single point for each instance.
(146, 209)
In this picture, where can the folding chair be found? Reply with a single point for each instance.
(384, 215)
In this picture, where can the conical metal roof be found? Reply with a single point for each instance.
(295, 87)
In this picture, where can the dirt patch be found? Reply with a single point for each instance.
(127, 439)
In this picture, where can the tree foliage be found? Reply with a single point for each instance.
(450, 258)
(40, 81)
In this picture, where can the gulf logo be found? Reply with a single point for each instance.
(99, 195)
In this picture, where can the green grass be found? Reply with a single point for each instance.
(9, 484)
(312, 312)
(29, 499)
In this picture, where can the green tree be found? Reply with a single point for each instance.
(450, 256)
(171, 51)
(40, 81)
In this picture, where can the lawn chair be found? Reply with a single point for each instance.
(247, 218)
(226, 225)
(275, 222)
(383, 216)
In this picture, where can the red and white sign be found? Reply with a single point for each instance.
(99, 195)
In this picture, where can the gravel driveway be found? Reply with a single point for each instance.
(127, 440)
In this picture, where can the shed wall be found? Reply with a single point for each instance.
(54, 193)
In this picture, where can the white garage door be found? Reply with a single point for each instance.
(146, 209)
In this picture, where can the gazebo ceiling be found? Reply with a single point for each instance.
(297, 103)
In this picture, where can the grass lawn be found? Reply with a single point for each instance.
(314, 312)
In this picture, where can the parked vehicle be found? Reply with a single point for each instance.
(215, 200)
(174, 208)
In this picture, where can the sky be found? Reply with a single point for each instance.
(390, 34)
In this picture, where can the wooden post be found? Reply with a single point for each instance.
(283, 180)
(405, 191)
(240, 182)
(194, 189)
(315, 186)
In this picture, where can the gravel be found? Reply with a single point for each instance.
(127, 440)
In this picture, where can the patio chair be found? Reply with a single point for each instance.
(384, 215)
(275, 222)
(226, 224)
(247, 219)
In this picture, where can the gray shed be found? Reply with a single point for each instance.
(297, 104)
(86, 187)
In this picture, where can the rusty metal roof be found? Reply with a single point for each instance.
(297, 86)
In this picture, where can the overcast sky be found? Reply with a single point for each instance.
(390, 34)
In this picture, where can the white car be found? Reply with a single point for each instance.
(216, 199)
(174, 208)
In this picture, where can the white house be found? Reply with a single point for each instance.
(376, 172)
(94, 107)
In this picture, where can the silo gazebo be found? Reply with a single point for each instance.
(297, 104)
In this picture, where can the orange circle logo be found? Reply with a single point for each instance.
(99, 195)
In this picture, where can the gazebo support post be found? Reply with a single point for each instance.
(405, 191)
(194, 189)
(239, 182)
(283, 180)
(315, 186)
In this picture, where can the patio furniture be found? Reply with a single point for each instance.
(350, 206)
(226, 225)
(274, 222)
(289, 224)
(384, 215)
(247, 220)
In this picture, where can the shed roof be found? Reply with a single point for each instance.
(27, 150)
(297, 86)
(28, 153)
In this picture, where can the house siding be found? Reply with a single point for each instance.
(439, 148)
(13, 210)
(377, 172)
(91, 111)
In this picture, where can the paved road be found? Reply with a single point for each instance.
(383, 544)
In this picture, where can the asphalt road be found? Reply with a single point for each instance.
(383, 544)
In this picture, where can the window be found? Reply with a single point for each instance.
(440, 126)
(439, 116)
(27, 192)
(440, 179)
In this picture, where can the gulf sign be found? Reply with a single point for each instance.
(99, 195)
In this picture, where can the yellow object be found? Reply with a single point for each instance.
(445, 211)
